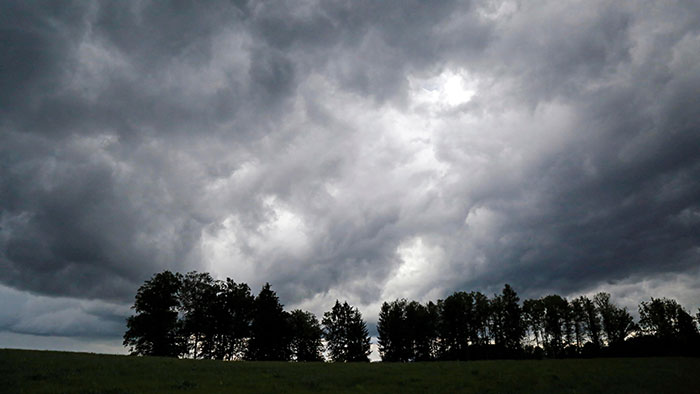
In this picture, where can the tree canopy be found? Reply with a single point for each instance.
(346, 333)
(155, 330)
(269, 332)
(306, 336)
(197, 316)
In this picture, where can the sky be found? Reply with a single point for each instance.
(353, 150)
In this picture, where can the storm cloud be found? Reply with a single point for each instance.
(355, 150)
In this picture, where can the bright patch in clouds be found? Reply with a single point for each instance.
(417, 272)
(448, 89)
(235, 250)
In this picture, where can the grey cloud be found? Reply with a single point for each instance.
(68, 317)
(603, 206)
(299, 145)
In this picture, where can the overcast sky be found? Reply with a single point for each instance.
(352, 150)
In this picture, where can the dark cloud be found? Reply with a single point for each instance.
(356, 150)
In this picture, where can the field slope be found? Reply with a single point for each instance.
(24, 371)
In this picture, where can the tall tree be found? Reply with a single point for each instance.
(422, 322)
(533, 314)
(555, 313)
(198, 303)
(455, 325)
(393, 327)
(510, 316)
(656, 317)
(407, 331)
(617, 322)
(306, 333)
(568, 326)
(269, 332)
(665, 319)
(154, 329)
(479, 318)
(592, 321)
(578, 318)
(686, 330)
(346, 334)
(496, 321)
(236, 314)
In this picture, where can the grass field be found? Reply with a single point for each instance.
(25, 371)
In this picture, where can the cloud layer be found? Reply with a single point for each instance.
(354, 150)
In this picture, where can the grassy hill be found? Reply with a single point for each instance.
(25, 371)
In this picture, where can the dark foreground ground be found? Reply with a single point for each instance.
(25, 371)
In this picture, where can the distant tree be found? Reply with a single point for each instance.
(455, 325)
(236, 314)
(569, 334)
(656, 317)
(592, 325)
(197, 316)
(422, 322)
(685, 327)
(554, 318)
(665, 319)
(154, 329)
(306, 333)
(407, 331)
(198, 304)
(346, 334)
(269, 332)
(617, 322)
(478, 318)
(394, 329)
(668, 329)
(496, 321)
(533, 315)
(578, 318)
(509, 316)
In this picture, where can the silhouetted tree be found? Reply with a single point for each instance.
(478, 318)
(578, 319)
(617, 322)
(422, 323)
(236, 314)
(407, 331)
(591, 322)
(306, 333)
(496, 321)
(533, 315)
(570, 349)
(198, 303)
(154, 329)
(393, 327)
(455, 319)
(665, 319)
(554, 318)
(269, 332)
(668, 329)
(197, 316)
(346, 334)
(507, 323)
(685, 327)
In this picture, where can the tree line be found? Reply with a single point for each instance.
(468, 326)
(195, 316)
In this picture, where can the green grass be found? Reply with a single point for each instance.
(25, 371)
